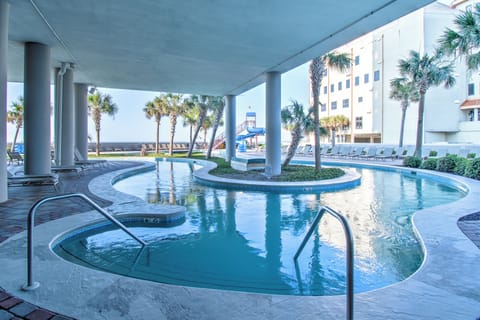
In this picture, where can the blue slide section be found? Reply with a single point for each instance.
(252, 132)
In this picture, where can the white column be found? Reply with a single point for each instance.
(67, 121)
(273, 122)
(37, 108)
(81, 119)
(230, 127)
(3, 98)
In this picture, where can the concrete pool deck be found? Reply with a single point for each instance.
(445, 287)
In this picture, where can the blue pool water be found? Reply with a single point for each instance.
(246, 241)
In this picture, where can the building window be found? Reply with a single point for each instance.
(360, 99)
(332, 88)
(358, 122)
(346, 103)
(376, 75)
(357, 80)
(323, 107)
(357, 60)
(334, 105)
(325, 72)
(366, 78)
(340, 86)
(471, 115)
(471, 89)
(347, 84)
(325, 90)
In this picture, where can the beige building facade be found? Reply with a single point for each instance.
(362, 93)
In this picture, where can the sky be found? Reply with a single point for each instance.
(130, 123)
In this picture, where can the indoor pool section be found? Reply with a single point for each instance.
(246, 241)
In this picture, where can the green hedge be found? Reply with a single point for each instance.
(472, 169)
(429, 164)
(412, 162)
(448, 163)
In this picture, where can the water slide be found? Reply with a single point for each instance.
(251, 132)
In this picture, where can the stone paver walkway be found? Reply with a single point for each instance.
(13, 219)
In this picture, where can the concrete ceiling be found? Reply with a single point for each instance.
(213, 47)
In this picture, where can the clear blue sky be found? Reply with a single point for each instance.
(130, 123)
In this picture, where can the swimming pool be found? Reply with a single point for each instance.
(246, 240)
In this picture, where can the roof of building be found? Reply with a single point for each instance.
(470, 104)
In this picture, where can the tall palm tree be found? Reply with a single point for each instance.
(217, 104)
(201, 103)
(15, 117)
(464, 39)
(424, 72)
(190, 117)
(175, 106)
(333, 123)
(404, 91)
(297, 122)
(155, 109)
(338, 61)
(98, 104)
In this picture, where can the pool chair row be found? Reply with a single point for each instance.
(359, 152)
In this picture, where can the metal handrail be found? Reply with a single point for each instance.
(348, 253)
(32, 285)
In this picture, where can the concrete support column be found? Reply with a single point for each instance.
(37, 108)
(81, 119)
(230, 127)
(273, 127)
(4, 7)
(67, 128)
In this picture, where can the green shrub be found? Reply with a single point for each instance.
(412, 162)
(471, 155)
(473, 169)
(433, 153)
(460, 166)
(447, 164)
(429, 164)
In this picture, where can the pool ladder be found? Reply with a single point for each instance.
(32, 285)
(348, 253)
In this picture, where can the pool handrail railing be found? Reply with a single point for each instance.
(32, 285)
(349, 251)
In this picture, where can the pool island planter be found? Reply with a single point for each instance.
(350, 179)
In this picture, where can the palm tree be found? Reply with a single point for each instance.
(425, 72)
(338, 61)
(99, 103)
(15, 117)
(297, 122)
(404, 91)
(190, 117)
(217, 104)
(466, 40)
(333, 123)
(175, 107)
(155, 109)
(201, 103)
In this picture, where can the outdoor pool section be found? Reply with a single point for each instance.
(245, 241)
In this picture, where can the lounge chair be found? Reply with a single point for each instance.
(32, 180)
(370, 154)
(356, 152)
(344, 151)
(407, 153)
(15, 156)
(81, 161)
(387, 153)
(333, 152)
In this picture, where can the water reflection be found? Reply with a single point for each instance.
(265, 229)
